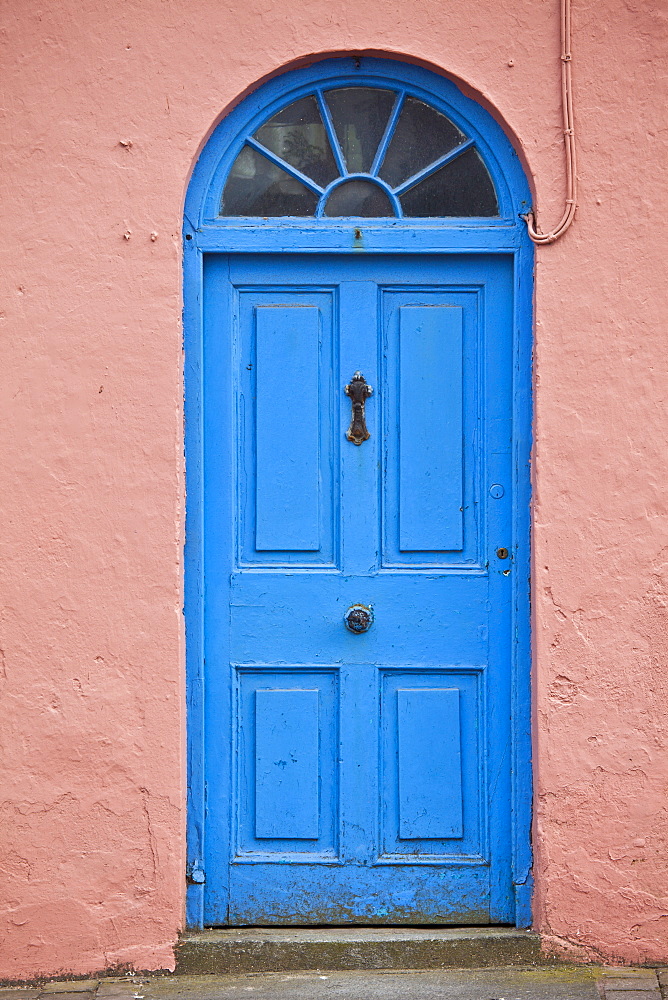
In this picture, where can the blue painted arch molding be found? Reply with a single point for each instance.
(205, 231)
(226, 141)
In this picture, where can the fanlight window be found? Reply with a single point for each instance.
(362, 152)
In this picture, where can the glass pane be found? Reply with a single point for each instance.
(256, 186)
(460, 188)
(298, 136)
(359, 198)
(360, 116)
(421, 136)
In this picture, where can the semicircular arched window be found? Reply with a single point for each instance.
(364, 152)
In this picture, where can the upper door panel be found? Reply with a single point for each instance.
(287, 427)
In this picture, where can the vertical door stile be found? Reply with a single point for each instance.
(358, 318)
(358, 351)
(496, 322)
(221, 398)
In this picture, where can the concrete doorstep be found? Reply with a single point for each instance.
(291, 949)
(509, 983)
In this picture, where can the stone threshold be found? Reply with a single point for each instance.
(291, 949)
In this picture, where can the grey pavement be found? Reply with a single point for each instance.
(534, 983)
(484, 984)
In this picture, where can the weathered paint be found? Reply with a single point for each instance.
(105, 111)
(333, 818)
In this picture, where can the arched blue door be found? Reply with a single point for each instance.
(357, 330)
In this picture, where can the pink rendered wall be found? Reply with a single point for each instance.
(105, 107)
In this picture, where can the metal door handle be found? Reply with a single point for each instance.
(358, 618)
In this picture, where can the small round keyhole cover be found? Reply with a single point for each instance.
(358, 618)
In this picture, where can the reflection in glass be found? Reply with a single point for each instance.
(255, 186)
(359, 197)
(298, 136)
(460, 188)
(360, 116)
(421, 136)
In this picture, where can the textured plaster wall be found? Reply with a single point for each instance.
(104, 108)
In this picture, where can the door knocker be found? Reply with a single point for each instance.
(359, 392)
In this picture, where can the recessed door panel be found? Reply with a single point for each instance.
(432, 764)
(433, 343)
(286, 739)
(429, 764)
(429, 428)
(288, 491)
(287, 771)
(287, 466)
(358, 776)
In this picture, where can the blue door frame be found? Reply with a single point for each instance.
(205, 233)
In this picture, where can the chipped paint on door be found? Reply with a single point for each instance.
(370, 778)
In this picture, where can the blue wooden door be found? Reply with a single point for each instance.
(358, 777)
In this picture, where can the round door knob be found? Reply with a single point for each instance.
(358, 618)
